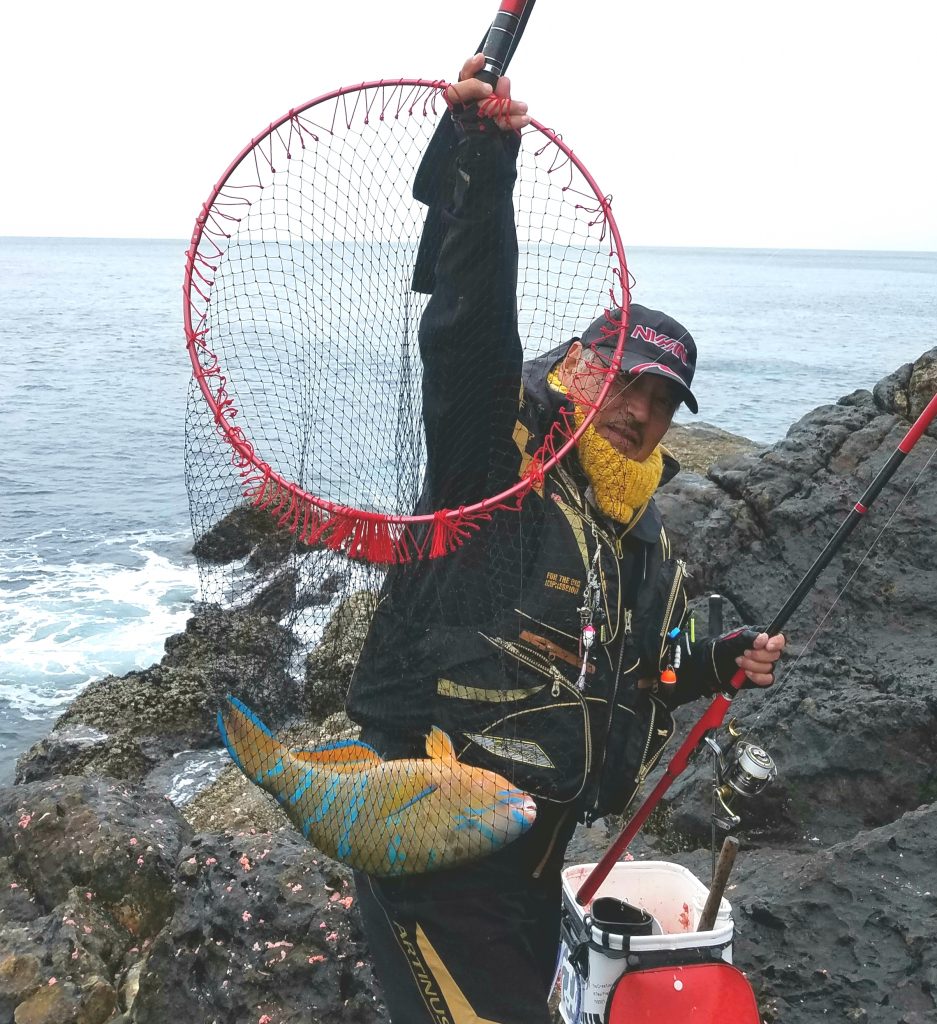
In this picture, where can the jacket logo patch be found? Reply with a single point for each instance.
(568, 584)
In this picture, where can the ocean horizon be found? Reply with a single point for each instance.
(95, 535)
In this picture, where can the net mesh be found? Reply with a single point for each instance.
(306, 455)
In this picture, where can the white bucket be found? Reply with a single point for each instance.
(670, 893)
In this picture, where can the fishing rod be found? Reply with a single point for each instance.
(714, 715)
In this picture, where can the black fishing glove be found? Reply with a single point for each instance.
(718, 658)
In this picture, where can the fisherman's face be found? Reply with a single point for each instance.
(636, 412)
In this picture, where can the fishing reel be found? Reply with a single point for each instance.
(740, 768)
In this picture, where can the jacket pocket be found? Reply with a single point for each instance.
(536, 733)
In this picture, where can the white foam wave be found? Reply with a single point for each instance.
(62, 625)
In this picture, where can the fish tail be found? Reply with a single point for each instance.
(252, 746)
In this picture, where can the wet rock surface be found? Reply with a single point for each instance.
(231, 917)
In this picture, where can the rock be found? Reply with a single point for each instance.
(20, 977)
(266, 926)
(277, 597)
(87, 869)
(909, 389)
(697, 446)
(751, 529)
(845, 931)
(822, 728)
(57, 752)
(99, 1000)
(330, 665)
(113, 844)
(56, 1003)
(234, 802)
(236, 534)
(130, 985)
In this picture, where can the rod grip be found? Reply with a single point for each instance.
(498, 45)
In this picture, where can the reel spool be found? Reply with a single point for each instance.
(741, 768)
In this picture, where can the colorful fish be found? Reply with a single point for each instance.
(397, 817)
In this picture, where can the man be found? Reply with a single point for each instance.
(489, 643)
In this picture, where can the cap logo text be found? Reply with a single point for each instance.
(661, 341)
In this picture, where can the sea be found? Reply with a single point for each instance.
(96, 567)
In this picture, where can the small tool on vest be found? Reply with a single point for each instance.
(591, 602)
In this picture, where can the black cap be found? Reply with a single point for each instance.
(654, 343)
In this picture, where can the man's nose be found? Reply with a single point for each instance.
(637, 404)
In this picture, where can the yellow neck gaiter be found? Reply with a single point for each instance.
(621, 485)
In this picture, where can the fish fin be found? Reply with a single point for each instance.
(343, 755)
(252, 746)
(439, 746)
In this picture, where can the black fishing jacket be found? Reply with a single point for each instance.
(485, 641)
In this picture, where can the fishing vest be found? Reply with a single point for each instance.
(502, 677)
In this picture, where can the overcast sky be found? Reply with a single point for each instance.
(799, 124)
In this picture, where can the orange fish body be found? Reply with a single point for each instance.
(386, 818)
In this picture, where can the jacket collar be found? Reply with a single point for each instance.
(544, 407)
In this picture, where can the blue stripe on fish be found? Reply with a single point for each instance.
(304, 784)
(518, 816)
(247, 713)
(431, 788)
(355, 804)
(328, 798)
(276, 769)
(471, 820)
(394, 854)
(227, 742)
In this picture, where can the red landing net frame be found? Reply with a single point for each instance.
(301, 323)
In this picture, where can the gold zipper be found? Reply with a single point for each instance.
(671, 602)
(648, 766)
(528, 658)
